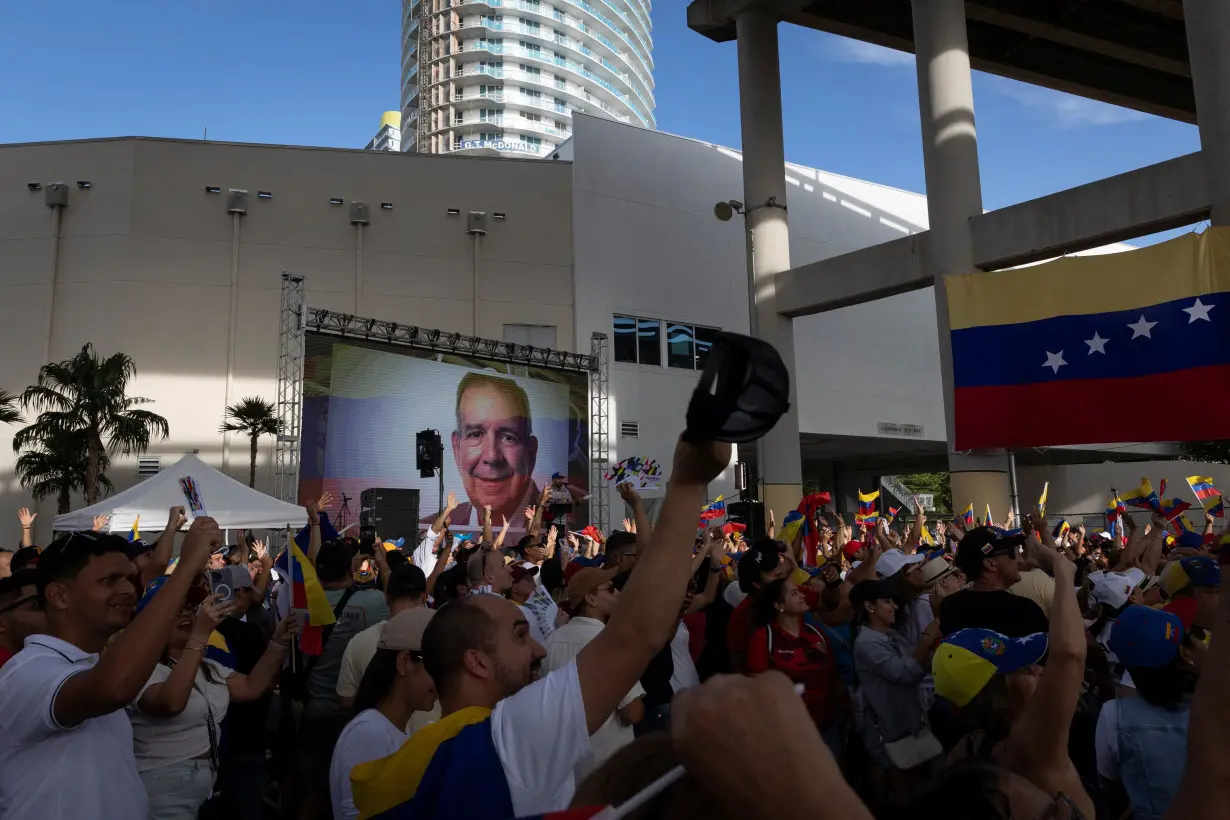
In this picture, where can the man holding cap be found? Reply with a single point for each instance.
(990, 561)
(592, 598)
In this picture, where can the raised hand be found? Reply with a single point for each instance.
(211, 613)
(552, 536)
(451, 503)
(530, 513)
(101, 522)
(700, 463)
(176, 518)
(286, 631)
(259, 548)
(629, 525)
(26, 518)
(628, 493)
(202, 539)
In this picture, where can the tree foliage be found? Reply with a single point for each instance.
(1217, 452)
(254, 417)
(937, 484)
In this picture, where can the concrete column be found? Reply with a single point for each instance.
(1208, 38)
(768, 236)
(954, 195)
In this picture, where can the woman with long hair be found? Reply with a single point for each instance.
(176, 717)
(1142, 741)
(786, 642)
(394, 687)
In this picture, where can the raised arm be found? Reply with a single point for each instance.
(165, 545)
(914, 537)
(26, 519)
(1037, 746)
(170, 698)
(1205, 790)
(260, 680)
(633, 499)
(488, 538)
(125, 667)
(648, 613)
(313, 512)
(499, 539)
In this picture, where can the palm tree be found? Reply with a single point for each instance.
(88, 394)
(255, 417)
(9, 414)
(55, 466)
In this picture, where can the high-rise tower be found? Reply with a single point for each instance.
(504, 76)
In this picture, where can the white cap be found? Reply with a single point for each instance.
(893, 561)
(935, 569)
(1113, 588)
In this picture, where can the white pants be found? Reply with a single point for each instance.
(177, 791)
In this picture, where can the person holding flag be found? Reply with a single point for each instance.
(1208, 495)
(867, 515)
(967, 517)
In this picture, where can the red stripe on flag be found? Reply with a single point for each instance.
(1094, 411)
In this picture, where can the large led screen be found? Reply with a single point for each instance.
(506, 428)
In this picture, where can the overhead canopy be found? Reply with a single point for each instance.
(232, 504)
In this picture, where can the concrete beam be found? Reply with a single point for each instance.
(1155, 198)
(715, 19)
(898, 266)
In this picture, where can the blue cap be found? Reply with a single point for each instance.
(1191, 539)
(152, 587)
(556, 475)
(1143, 636)
(967, 660)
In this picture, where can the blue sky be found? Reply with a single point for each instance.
(320, 72)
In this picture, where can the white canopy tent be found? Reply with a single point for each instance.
(232, 504)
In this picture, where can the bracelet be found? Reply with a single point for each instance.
(280, 645)
(200, 647)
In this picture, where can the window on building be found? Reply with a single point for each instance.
(638, 341)
(533, 142)
(531, 93)
(531, 47)
(531, 117)
(531, 71)
(688, 346)
(533, 335)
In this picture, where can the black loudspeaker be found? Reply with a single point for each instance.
(750, 513)
(427, 452)
(391, 512)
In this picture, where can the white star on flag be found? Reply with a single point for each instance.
(1142, 328)
(1097, 344)
(1054, 361)
(1199, 312)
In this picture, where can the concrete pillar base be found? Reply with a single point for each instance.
(781, 499)
(982, 488)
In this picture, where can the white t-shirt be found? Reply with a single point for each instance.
(684, 676)
(48, 771)
(357, 657)
(562, 648)
(161, 741)
(424, 556)
(368, 737)
(540, 735)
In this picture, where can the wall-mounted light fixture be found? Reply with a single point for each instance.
(34, 186)
(454, 212)
(499, 215)
(336, 200)
(386, 206)
(265, 194)
(84, 183)
(212, 189)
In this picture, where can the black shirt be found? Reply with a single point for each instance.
(998, 610)
(245, 722)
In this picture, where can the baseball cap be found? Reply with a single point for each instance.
(1191, 540)
(585, 581)
(522, 571)
(984, 542)
(404, 631)
(25, 558)
(556, 475)
(333, 560)
(762, 556)
(1195, 571)
(852, 547)
(893, 561)
(1185, 609)
(1113, 588)
(138, 547)
(1146, 637)
(935, 569)
(967, 660)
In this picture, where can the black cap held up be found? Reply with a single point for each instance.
(743, 391)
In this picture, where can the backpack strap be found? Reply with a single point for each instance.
(327, 632)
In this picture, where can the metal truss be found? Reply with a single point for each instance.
(599, 432)
(290, 389)
(357, 327)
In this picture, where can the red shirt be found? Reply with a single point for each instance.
(5, 656)
(739, 627)
(804, 659)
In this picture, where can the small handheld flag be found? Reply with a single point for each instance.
(987, 520)
(715, 509)
(866, 508)
(134, 534)
(967, 517)
(1042, 498)
(308, 596)
(1210, 497)
(1061, 529)
(1143, 497)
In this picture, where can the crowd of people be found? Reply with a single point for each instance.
(665, 669)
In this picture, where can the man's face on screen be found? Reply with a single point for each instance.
(493, 450)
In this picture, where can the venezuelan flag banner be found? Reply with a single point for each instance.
(866, 508)
(1071, 332)
(808, 508)
(134, 534)
(1143, 497)
(1061, 529)
(306, 594)
(967, 517)
(1042, 498)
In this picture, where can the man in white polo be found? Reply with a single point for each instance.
(65, 741)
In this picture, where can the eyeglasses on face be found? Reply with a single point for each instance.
(30, 603)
